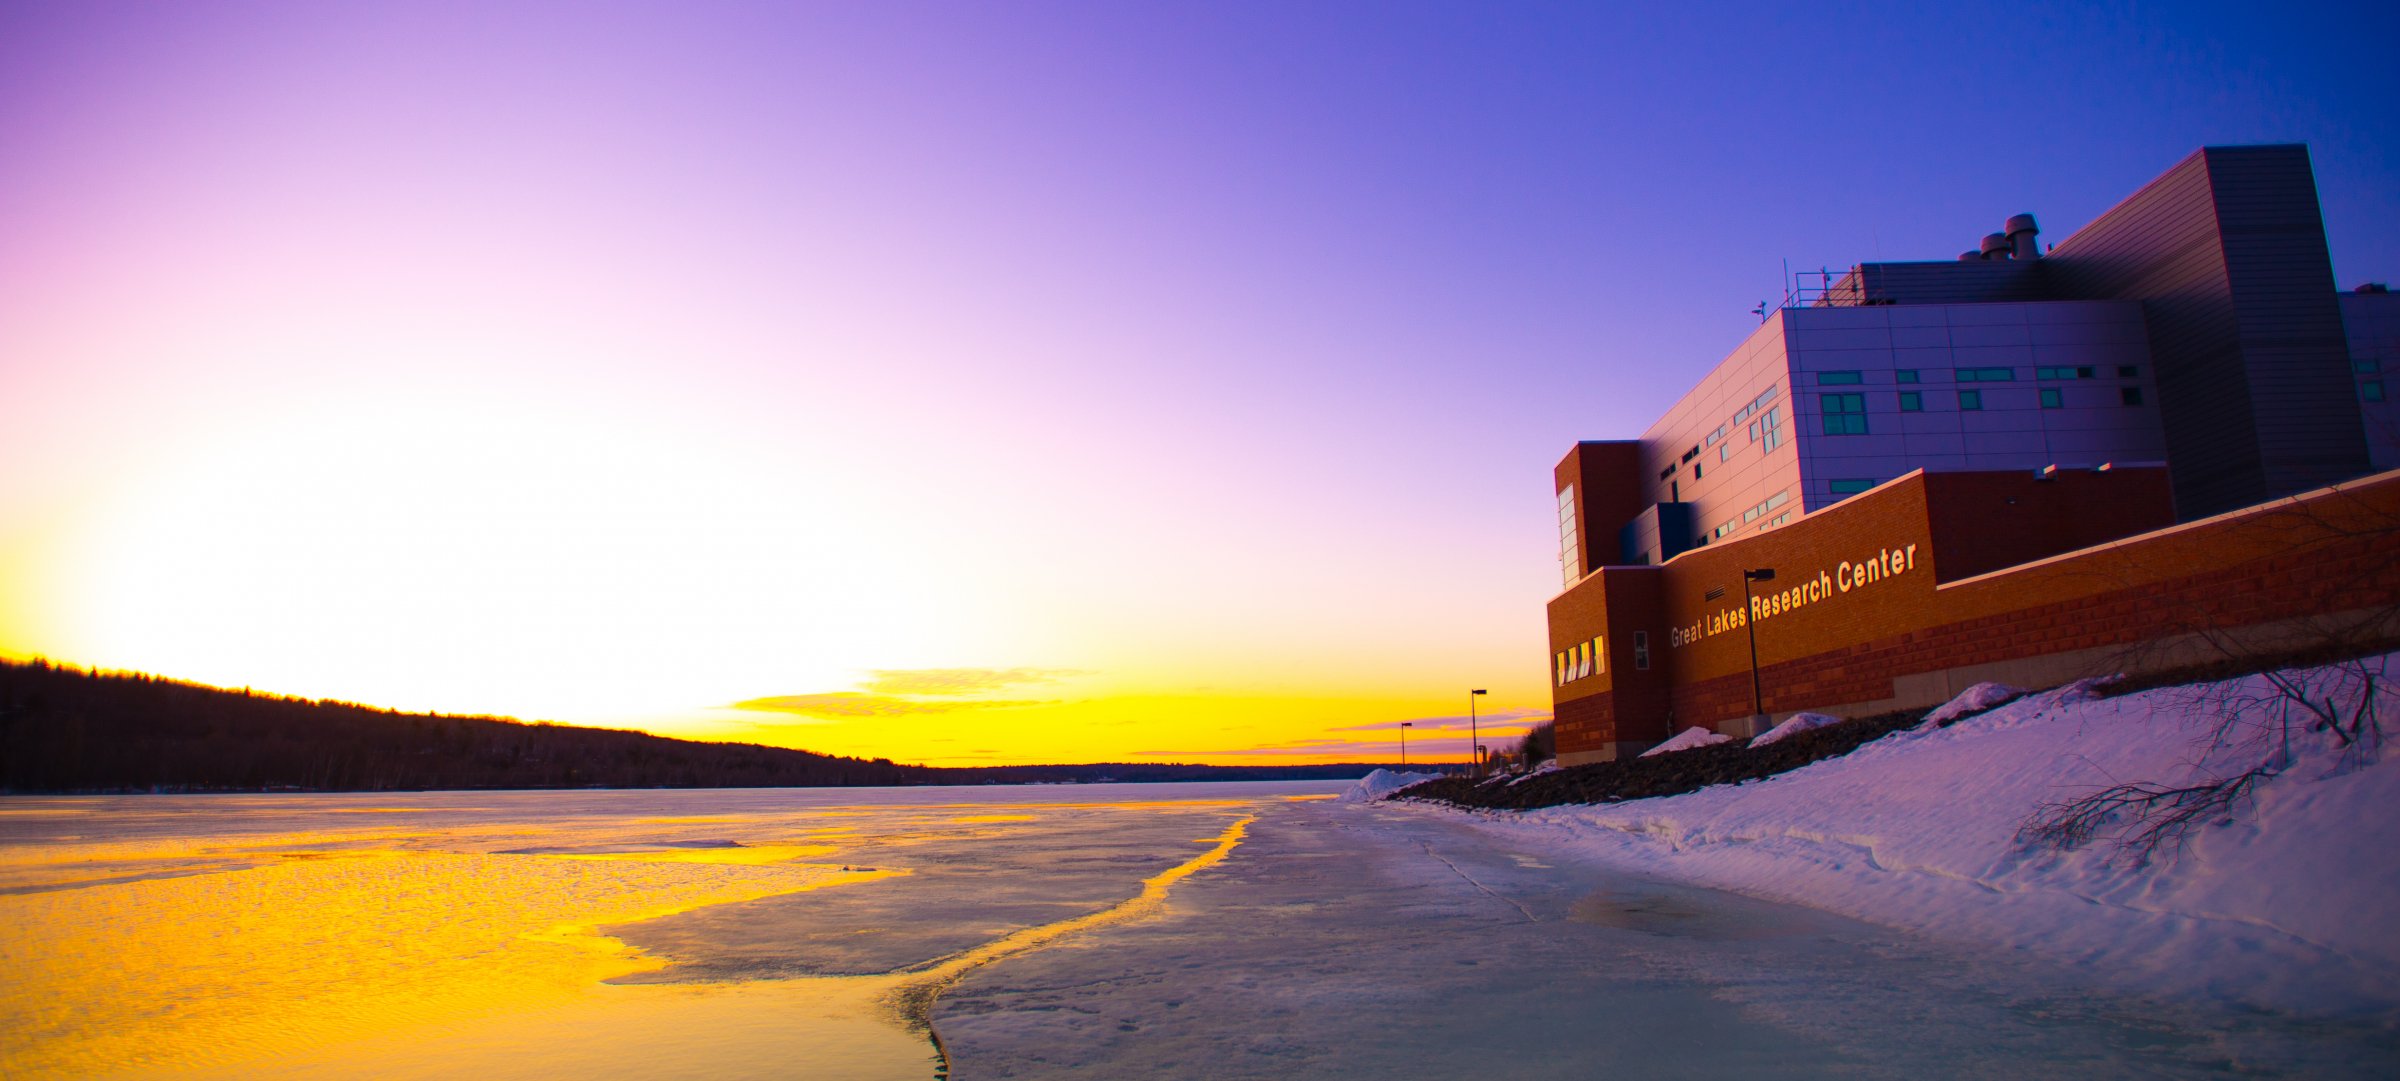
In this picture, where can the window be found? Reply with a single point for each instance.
(1845, 414)
(2367, 366)
(1842, 488)
(1986, 375)
(1599, 648)
(1558, 668)
(1912, 401)
(1728, 526)
(2371, 390)
(1831, 379)
(1641, 650)
(2053, 398)
(1970, 399)
(1691, 454)
(2063, 373)
(2130, 395)
(1770, 432)
(1569, 554)
(1764, 507)
(1724, 453)
(1696, 469)
(2128, 371)
(1752, 409)
(1905, 375)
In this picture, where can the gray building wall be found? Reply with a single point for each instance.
(2013, 429)
(2371, 323)
(2226, 252)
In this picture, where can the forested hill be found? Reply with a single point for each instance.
(63, 729)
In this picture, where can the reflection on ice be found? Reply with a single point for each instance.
(543, 934)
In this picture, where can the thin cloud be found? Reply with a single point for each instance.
(1510, 715)
(949, 682)
(1497, 738)
(847, 704)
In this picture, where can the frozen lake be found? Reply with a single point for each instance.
(1247, 930)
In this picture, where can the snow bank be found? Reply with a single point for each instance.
(1793, 726)
(2285, 907)
(1686, 740)
(1975, 699)
(1380, 784)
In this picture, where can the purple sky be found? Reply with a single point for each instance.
(1213, 353)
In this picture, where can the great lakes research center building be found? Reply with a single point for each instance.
(2030, 463)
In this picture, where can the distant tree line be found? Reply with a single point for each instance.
(66, 729)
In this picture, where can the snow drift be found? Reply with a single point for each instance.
(2282, 906)
(1380, 784)
(1686, 740)
(1793, 726)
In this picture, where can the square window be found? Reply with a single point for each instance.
(1828, 379)
(1905, 375)
(2128, 371)
(1845, 414)
(2371, 390)
(2084, 372)
(2130, 395)
(1912, 401)
(2053, 398)
(1970, 399)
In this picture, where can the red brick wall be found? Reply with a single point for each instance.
(1608, 486)
(2338, 550)
(1985, 521)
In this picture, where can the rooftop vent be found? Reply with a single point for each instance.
(2015, 241)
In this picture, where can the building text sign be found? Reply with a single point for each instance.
(1846, 576)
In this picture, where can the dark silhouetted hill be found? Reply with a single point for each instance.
(64, 729)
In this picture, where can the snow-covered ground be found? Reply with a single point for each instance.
(2287, 906)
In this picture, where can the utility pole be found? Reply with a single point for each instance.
(1474, 742)
(1758, 703)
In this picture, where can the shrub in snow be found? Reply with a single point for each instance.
(1794, 725)
(1687, 739)
(1380, 785)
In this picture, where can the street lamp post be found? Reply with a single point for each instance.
(1474, 742)
(1758, 703)
(1404, 727)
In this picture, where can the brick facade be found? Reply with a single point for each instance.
(1879, 600)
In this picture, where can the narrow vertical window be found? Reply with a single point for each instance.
(1600, 654)
(1641, 650)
